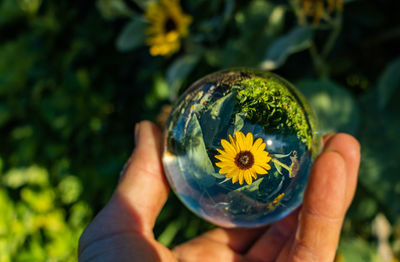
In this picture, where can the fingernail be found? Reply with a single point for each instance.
(137, 133)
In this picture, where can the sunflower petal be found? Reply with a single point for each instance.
(248, 141)
(227, 169)
(233, 143)
(266, 166)
(225, 158)
(260, 170)
(256, 145)
(223, 164)
(254, 174)
(226, 154)
(240, 140)
(228, 175)
(262, 164)
(261, 156)
(261, 147)
(235, 179)
(222, 152)
(241, 175)
(247, 177)
(228, 147)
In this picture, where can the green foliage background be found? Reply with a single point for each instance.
(75, 76)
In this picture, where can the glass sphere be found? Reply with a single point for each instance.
(239, 145)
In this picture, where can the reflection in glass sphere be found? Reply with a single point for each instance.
(239, 146)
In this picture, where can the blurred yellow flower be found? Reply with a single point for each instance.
(167, 26)
(29, 6)
(276, 201)
(316, 8)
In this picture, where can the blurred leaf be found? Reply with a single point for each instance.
(41, 201)
(334, 106)
(379, 147)
(70, 189)
(389, 81)
(248, 46)
(356, 250)
(228, 10)
(143, 3)
(132, 35)
(114, 8)
(53, 221)
(160, 92)
(170, 231)
(178, 72)
(239, 122)
(30, 6)
(80, 215)
(9, 10)
(33, 175)
(365, 208)
(298, 39)
(276, 20)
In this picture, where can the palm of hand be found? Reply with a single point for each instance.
(122, 231)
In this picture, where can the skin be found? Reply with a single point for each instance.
(123, 230)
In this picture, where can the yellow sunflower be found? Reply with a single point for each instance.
(167, 25)
(241, 159)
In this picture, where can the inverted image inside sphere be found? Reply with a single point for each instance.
(239, 146)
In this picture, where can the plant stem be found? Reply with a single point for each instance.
(281, 164)
(336, 28)
(298, 11)
(319, 64)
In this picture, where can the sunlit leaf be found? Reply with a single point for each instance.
(21, 176)
(253, 187)
(41, 201)
(70, 189)
(80, 215)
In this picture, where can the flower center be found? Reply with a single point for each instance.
(244, 160)
(170, 25)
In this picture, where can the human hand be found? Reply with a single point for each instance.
(123, 230)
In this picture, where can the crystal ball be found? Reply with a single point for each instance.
(238, 147)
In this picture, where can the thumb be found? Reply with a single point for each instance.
(143, 185)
